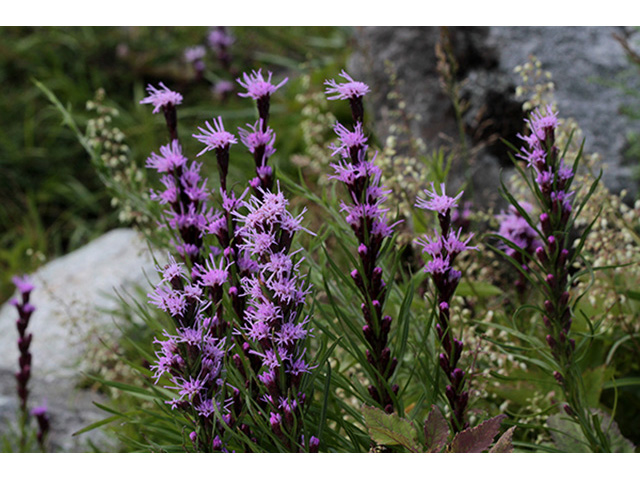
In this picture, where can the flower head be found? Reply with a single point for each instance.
(169, 159)
(347, 90)
(23, 284)
(215, 137)
(161, 97)
(256, 85)
(438, 203)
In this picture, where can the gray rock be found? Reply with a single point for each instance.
(581, 59)
(72, 295)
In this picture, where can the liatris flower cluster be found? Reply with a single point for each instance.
(25, 310)
(259, 139)
(515, 229)
(193, 358)
(367, 217)
(166, 100)
(185, 191)
(220, 40)
(273, 326)
(553, 184)
(41, 415)
(444, 248)
(194, 56)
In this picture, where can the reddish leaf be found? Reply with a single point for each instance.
(504, 445)
(477, 439)
(436, 430)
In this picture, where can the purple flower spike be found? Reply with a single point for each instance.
(256, 85)
(23, 284)
(215, 137)
(161, 97)
(440, 203)
(345, 91)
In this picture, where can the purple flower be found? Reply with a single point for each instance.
(257, 136)
(440, 203)
(517, 230)
(344, 91)
(223, 88)
(219, 38)
(23, 284)
(194, 54)
(161, 97)
(350, 141)
(215, 137)
(256, 85)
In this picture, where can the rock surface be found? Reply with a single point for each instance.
(583, 61)
(72, 297)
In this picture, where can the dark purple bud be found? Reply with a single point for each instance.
(193, 436)
(546, 321)
(444, 363)
(569, 410)
(548, 306)
(545, 224)
(373, 391)
(362, 250)
(542, 255)
(572, 343)
(559, 378)
(551, 342)
(451, 394)
(551, 240)
(564, 255)
(392, 367)
(370, 358)
(216, 445)
(551, 281)
(314, 445)
(564, 299)
(367, 331)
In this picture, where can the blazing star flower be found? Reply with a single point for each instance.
(223, 88)
(161, 97)
(440, 203)
(443, 249)
(215, 137)
(219, 38)
(345, 91)
(194, 54)
(23, 284)
(350, 141)
(256, 85)
(258, 137)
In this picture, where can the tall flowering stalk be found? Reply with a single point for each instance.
(274, 328)
(551, 184)
(185, 194)
(193, 358)
(367, 216)
(25, 310)
(443, 248)
(259, 139)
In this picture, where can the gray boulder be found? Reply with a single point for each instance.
(582, 60)
(72, 297)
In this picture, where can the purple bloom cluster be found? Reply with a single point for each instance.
(193, 358)
(166, 100)
(25, 310)
(367, 217)
(515, 229)
(350, 90)
(185, 196)
(273, 326)
(554, 181)
(260, 89)
(260, 138)
(220, 40)
(216, 138)
(443, 249)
